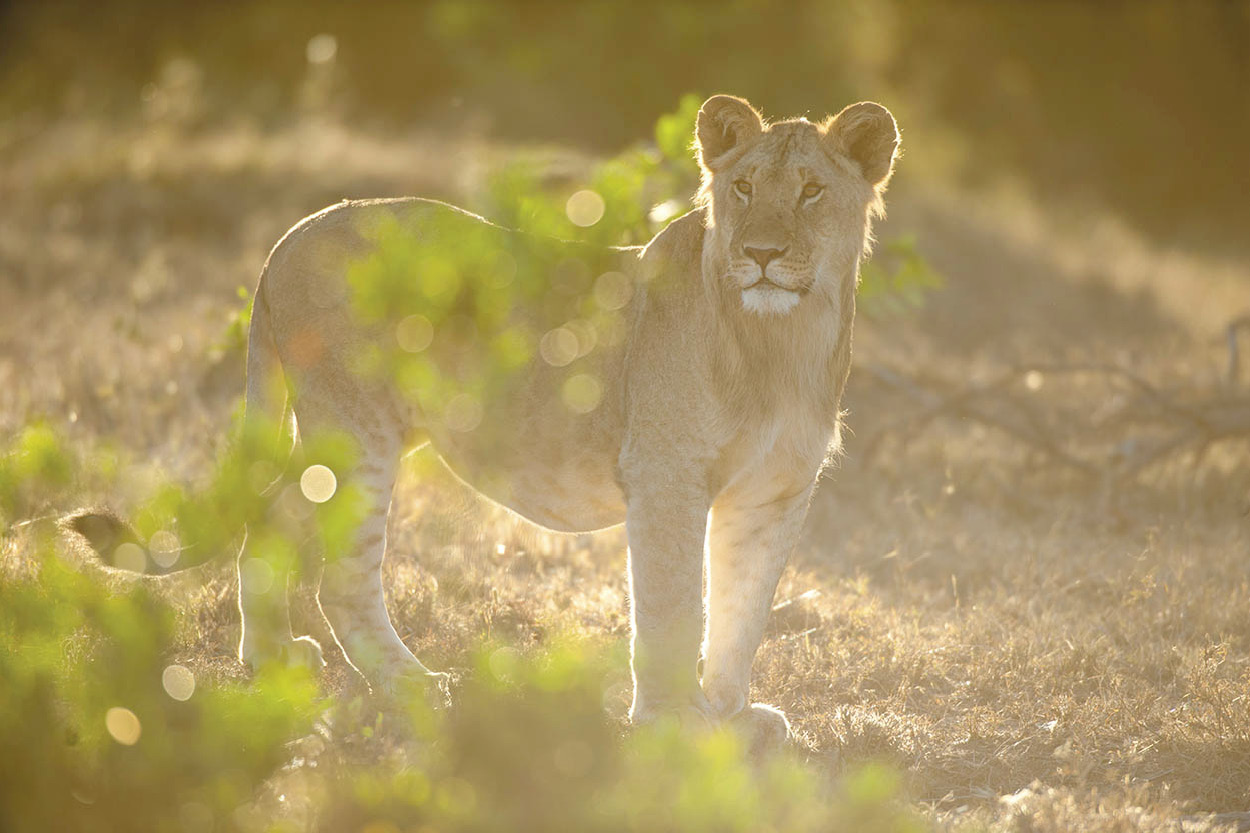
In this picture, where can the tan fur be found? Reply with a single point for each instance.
(719, 407)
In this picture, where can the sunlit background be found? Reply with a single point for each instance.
(1022, 592)
(1139, 107)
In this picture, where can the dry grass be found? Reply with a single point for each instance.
(989, 626)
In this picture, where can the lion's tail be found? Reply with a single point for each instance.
(119, 545)
(264, 436)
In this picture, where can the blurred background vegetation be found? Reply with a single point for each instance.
(1142, 107)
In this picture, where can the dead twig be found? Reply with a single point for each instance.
(1234, 357)
(1151, 425)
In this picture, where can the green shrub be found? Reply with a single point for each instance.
(896, 279)
(100, 731)
(35, 469)
(529, 747)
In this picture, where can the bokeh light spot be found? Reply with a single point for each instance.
(585, 333)
(584, 208)
(613, 290)
(504, 664)
(558, 347)
(582, 393)
(123, 725)
(131, 557)
(414, 333)
(178, 682)
(1033, 380)
(321, 49)
(463, 413)
(318, 483)
(256, 576)
(612, 330)
(165, 548)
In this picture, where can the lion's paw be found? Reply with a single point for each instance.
(305, 652)
(763, 728)
(689, 718)
(415, 681)
(301, 652)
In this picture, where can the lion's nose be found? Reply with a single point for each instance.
(764, 256)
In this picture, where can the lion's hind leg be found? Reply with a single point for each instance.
(264, 569)
(351, 594)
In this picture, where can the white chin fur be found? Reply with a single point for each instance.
(769, 300)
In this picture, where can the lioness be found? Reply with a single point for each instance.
(699, 413)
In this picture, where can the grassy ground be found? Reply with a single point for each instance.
(1033, 650)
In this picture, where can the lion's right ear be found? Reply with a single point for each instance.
(725, 123)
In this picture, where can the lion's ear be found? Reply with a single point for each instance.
(725, 122)
(866, 133)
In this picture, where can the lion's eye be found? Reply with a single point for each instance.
(811, 191)
(743, 187)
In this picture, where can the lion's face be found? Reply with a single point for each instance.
(789, 204)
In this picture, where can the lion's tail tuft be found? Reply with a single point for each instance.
(119, 545)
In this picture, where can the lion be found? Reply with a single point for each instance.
(692, 393)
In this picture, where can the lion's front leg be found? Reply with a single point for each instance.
(667, 525)
(752, 536)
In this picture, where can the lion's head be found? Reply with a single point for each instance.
(788, 205)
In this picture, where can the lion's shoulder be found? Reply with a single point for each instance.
(674, 256)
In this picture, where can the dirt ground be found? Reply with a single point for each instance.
(1034, 647)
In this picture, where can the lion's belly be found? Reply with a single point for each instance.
(568, 501)
(580, 495)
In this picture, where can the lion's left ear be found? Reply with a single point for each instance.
(866, 133)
